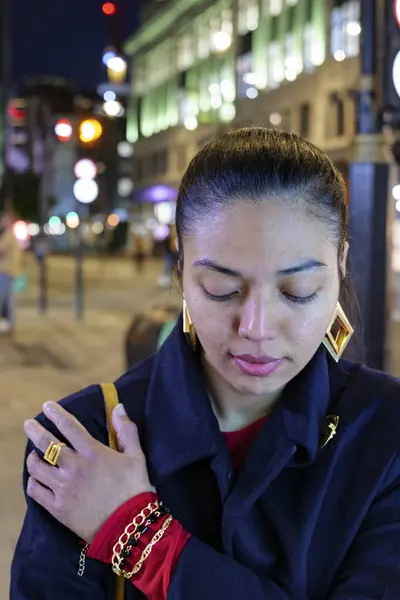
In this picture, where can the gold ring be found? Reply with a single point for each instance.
(52, 453)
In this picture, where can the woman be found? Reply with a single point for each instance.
(280, 467)
(10, 269)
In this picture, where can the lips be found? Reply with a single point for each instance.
(255, 360)
(256, 366)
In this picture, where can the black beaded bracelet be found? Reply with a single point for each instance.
(141, 530)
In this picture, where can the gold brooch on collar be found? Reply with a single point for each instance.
(329, 428)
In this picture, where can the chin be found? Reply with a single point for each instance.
(256, 386)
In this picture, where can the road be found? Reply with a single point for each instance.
(53, 356)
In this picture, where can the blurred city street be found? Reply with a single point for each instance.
(53, 355)
(98, 126)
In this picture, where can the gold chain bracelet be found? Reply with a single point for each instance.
(129, 532)
(147, 551)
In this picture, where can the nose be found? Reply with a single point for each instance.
(259, 319)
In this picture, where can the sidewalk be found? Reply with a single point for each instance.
(51, 357)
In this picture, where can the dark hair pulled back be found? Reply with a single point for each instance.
(256, 164)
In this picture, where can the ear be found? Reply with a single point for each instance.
(343, 260)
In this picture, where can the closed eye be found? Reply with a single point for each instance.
(223, 298)
(300, 299)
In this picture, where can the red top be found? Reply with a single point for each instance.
(239, 442)
(155, 575)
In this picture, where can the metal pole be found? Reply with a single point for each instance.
(43, 216)
(79, 287)
(5, 87)
(368, 184)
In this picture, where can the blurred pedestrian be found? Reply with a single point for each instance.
(170, 258)
(139, 253)
(10, 269)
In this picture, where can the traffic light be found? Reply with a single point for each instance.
(391, 58)
(90, 130)
(109, 8)
(63, 130)
(16, 112)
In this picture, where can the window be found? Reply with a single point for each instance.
(275, 64)
(139, 79)
(185, 51)
(244, 44)
(305, 120)
(244, 64)
(182, 80)
(308, 48)
(248, 15)
(243, 69)
(340, 117)
(345, 29)
(291, 62)
(275, 7)
(338, 122)
(181, 163)
(203, 42)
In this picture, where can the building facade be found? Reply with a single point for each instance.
(201, 67)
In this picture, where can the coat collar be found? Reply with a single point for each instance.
(181, 425)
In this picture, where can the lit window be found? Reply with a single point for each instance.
(243, 68)
(248, 15)
(203, 42)
(275, 64)
(185, 51)
(291, 62)
(308, 47)
(275, 7)
(345, 30)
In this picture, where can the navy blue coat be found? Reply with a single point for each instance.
(299, 522)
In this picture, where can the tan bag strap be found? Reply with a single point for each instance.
(111, 400)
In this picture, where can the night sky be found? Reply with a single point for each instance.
(64, 38)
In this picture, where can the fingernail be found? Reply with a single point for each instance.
(121, 410)
(49, 405)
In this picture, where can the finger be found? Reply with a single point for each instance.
(68, 425)
(128, 437)
(41, 471)
(41, 438)
(41, 494)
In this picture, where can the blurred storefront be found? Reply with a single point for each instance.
(198, 68)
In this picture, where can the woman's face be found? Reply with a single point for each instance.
(261, 283)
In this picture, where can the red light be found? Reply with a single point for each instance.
(396, 7)
(109, 8)
(63, 130)
(15, 112)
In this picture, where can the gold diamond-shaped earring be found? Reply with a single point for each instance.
(339, 333)
(188, 327)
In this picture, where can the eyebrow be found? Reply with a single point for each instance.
(307, 265)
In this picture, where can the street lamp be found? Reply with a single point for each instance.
(85, 169)
(117, 68)
(86, 190)
(113, 108)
